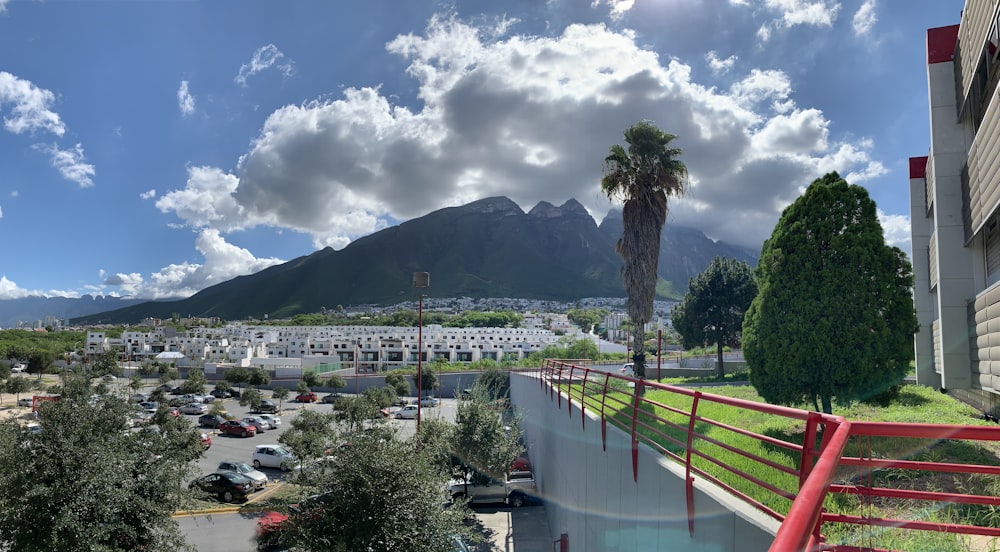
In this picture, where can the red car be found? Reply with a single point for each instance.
(306, 397)
(206, 441)
(236, 427)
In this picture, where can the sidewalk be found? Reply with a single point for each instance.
(524, 529)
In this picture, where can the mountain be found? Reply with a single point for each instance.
(488, 248)
(36, 309)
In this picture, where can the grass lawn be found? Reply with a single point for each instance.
(913, 404)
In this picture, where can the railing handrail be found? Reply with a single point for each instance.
(818, 466)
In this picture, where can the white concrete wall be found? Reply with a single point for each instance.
(590, 494)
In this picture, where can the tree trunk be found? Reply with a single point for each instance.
(827, 404)
(815, 404)
(639, 352)
(721, 367)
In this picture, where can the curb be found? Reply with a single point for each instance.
(257, 497)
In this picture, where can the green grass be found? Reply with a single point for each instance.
(913, 404)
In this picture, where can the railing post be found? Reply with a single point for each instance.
(635, 439)
(808, 446)
(583, 397)
(604, 419)
(688, 479)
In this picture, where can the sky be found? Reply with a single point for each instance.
(151, 149)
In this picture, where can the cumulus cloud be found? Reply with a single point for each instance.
(3, 6)
(185, 101)
(30, 106)
(896, 229)
(1, 212)
(865, 18)
(527, 117)
(148, 194)
(720, 66)
(264, 58)
(618, 7)
(819, 13)
(71, 163)
(223, 262)
(10, 290)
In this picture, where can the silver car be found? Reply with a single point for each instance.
(257, 422)
(259, 478)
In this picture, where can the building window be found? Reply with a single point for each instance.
(992, 239)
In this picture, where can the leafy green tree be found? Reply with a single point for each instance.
(301, 387)
(258, 377)
(251, 397)
(172, 374)
(362, 494)
(335, 381)
(496, 381)
(224, 386)
(280, 393)
(428, 382)
(834, 316)
(398, 382)
(195, 382)
(16, 386)
(39, 361)
(106, 489)
(135, 383)
(106, 363)
(354, 412)
(237, 375)
(311, 379)
(381, 397)
(146, 369)
(482, 440)
(643, 177)
(586, 319)
(714, 307)
(312, 433)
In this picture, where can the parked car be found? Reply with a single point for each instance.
(210, 420)
(309, 397)
(176, 391)
(257, 422)
(109, 377)
(273, 419)
(236, 427)
(429, 401)
(521, 463)
(332, 398)
(192, 398)
(150, 407)
(259, 478)
(628, 370)
(274, 456)
(174, 411)
(227, 486)
(220, 394)
(206, 441)
(25, 401)
(516, 490)
(140, 398)
(408, 412)
(265, 406)
(194, 408)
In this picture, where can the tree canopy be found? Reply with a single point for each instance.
(834, 316)
(714, 307)
(643, 176)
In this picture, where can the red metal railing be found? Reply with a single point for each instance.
(805, 472)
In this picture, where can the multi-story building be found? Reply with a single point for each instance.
(954, 215)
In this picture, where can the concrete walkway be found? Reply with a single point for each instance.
(524, 529)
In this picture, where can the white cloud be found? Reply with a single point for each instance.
(1, 212)
(3, 6)
(865, 18)
(148, 194)
(525, 117)
(185, 101)
(10, 290)
(720, 66)
(264, 58)
(819, 13)
(70, 163)
(13, 193)
(31, 106)
(618, 7)
(223, 262)
(896, 229)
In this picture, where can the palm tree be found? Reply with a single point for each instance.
(643, 177)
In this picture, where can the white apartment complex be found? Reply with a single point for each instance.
(954, 215)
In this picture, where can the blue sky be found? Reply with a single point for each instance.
(152, 149)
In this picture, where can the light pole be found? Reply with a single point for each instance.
(420, 280)
(357, 385)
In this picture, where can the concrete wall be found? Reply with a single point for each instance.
(590, 494)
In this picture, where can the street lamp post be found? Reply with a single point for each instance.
(357, 384)
(420, 280)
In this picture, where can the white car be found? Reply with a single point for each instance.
(429, 401)
(26, 401)
(628, 370)
(274, 456)
(257, 422)
(408, 412)
(272, 419)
